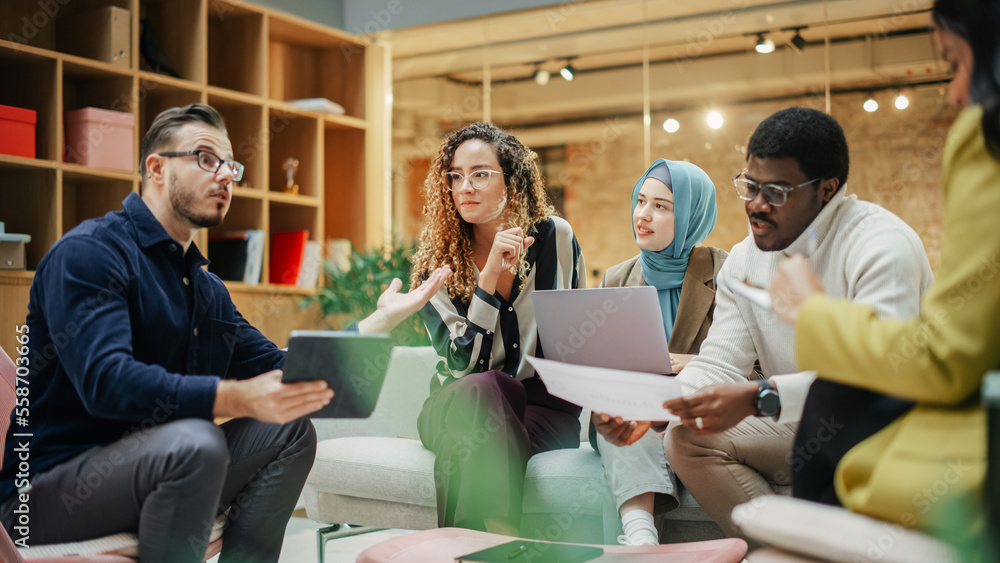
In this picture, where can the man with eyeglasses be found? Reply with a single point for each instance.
(793, 190)
(135, 348)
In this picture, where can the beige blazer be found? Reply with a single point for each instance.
(697, 302)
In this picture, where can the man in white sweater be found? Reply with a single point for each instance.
(794, 193)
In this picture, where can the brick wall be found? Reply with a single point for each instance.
(895, 162)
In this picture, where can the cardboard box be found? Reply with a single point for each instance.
(17, 131)
(12, 250)
(101, 34)
(100, 138)
(12, 255)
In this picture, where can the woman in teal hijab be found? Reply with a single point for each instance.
(673, 210)
(684, 215)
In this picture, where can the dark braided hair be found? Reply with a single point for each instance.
(814, 139)
(978, 23)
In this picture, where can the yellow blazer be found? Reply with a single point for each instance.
(697, 301)
(936, 453)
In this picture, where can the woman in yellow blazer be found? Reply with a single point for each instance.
(673, 210)
(934, 453)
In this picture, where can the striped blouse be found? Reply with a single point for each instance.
(495, 333)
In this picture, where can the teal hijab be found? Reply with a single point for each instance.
(694, 218)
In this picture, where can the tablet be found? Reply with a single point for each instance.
(352, 364)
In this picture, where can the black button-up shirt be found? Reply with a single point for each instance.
(125, 331)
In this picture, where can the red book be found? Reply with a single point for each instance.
(287, 251)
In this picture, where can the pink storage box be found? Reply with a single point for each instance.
(17, 131)
(100, 138)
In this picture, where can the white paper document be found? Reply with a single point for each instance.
(756, 295)
(631, 395)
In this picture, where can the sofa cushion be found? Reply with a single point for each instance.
(400, 470)
(389, 469)
(571, 480)
(831, 533)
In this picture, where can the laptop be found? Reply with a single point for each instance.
(610, 327)
(354, 365)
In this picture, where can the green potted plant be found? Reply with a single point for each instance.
(349, 295)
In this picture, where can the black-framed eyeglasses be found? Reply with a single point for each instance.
(210, 162)
(478, 179)
(774, 195)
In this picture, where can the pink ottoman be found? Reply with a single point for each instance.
(443, 545)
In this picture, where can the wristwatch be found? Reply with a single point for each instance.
(767, 401)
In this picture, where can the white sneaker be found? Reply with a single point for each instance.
(644, 539)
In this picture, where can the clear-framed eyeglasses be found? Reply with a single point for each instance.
(210, 162)
(774, 195)
(478, 179)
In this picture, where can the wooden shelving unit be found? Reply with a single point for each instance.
(246, 61)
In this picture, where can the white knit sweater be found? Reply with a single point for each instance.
(864, 253)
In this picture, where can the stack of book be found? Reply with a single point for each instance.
(237, 255)
(295, 260)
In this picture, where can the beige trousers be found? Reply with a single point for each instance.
(724, 470)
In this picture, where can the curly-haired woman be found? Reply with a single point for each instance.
(487, 215)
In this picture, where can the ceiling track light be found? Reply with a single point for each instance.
(567, 71)
(541, 76)
(902, 101)
(764, 45)
(797, 41)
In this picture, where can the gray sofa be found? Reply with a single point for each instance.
(375, 472)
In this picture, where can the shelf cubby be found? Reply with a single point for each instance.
(86, 196)
(179, 28)
(28, 205)
(155, 96)
(85, 86)
(36, 90)
(304, 62)
(244, 213)
(82, 36)
(344, 171)
(235, 30)
(293, 135)
(25, 22)
(245, 60)
(245, 124)
(284, 217)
